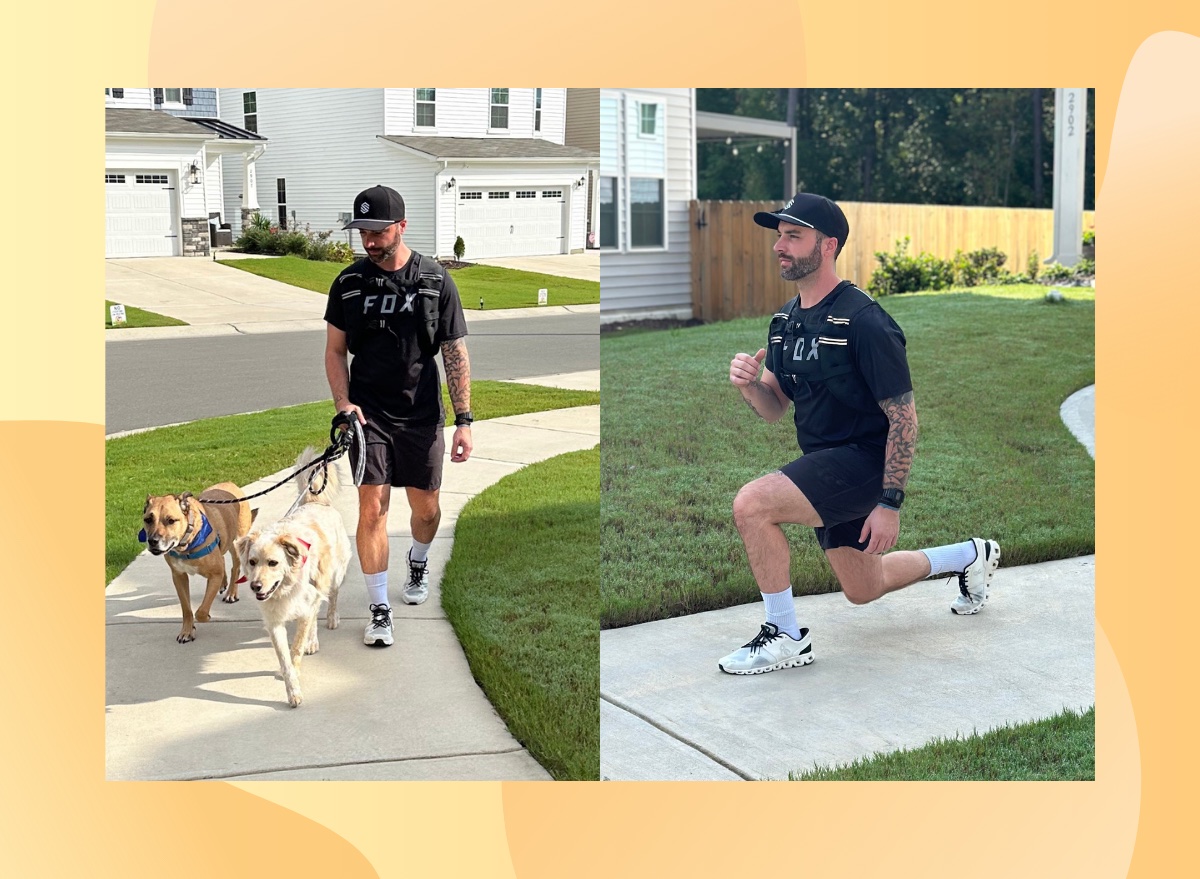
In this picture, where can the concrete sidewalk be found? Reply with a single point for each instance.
(214, 708)
(216, 300)
(896, 673)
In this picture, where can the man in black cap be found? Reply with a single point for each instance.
(394, 311)
(840, 358)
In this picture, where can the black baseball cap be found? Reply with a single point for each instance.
(376, 208)
(807, 209)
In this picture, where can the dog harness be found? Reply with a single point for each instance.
(834, 362)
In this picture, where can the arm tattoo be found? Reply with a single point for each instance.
(755, 386)
(458, 374)
(901, 440)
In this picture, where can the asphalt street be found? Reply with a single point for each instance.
(167, 381)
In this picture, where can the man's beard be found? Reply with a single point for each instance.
(386, 253)
(802, 266)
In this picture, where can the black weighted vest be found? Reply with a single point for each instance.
(837, 368)
(427, 285)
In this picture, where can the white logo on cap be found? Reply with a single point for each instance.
(789, 204)
(364, 208)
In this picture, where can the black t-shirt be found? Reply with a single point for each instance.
(389, 375)
(877, 347)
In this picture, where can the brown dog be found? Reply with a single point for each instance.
(195, 537)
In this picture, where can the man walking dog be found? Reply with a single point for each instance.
(394, 310)
(840, 358)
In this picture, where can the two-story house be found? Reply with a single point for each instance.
(647, 183)
(167, 159)
(488, 165)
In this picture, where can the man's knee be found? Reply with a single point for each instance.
(425, 507)
(373, 508)
(862, 582)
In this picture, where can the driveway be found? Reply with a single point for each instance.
(583, 266)
(206, 294)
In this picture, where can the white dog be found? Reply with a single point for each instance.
(294, 565)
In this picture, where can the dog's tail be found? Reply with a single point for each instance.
(320, 483)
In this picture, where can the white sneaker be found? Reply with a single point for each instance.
(379, 630)
(769, 650)
(974, 581)
(417, 589)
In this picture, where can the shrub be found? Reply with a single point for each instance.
(293, 243)
(899, 272)
(1033, 266)
(258, 221)
(1089, 238)
(460, 248)
(1056, 273)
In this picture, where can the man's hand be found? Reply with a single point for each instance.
(744, 369)
(347, 408)
(883, 527)
(460, 445)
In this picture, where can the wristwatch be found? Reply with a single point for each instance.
(892, 498)
(463, 419)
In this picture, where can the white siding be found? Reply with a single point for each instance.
(467, 112)
(324, 144)
(650, 280)
(133, 99)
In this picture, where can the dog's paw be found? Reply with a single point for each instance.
(295, 698)
(185, 637)
(230, 598)
(203, 616)
(311, 647)
(332, 621)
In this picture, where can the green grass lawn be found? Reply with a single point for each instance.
(1060, 748)
(522, 591)
(990, 369)
(135, 317)
(244, 448)
(499, 288)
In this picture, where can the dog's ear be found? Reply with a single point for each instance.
(183, 501)
(242, 544)
(294, 550)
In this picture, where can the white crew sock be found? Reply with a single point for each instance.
(376, 587)
(781, 610)
(951, 559)
(419, 551)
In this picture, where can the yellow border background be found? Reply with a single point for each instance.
(60, 815)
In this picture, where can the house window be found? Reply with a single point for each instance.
(499, 109)
(250, 111)
(468, 196)
(114, 178)
(500, 194)
(281, 198)
(551, 193)
(156, 179)
(114, 93)
(537, 109)
(608, 211)
(645, 212)
(169, 96)
(649, 119)
(526, 193)
(426, 115)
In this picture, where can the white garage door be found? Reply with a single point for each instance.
(511, 222)
(140, 214)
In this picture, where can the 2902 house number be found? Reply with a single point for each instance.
(1070, 114)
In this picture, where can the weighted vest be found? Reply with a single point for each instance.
(835, 365)
(427, 287)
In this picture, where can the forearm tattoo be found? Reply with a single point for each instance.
(901, 440)
(755, 387)
(458, 374)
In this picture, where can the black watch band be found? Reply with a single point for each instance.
(892, 498)
(464, 419)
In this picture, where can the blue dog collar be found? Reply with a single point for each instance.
(205, 533)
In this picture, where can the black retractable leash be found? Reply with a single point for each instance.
(345, 433)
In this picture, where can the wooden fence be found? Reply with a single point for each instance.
(735, 273)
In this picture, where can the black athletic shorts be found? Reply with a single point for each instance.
(843, 485)
(408, 455)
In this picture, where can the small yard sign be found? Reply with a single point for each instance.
(118, 314)
(543, 296)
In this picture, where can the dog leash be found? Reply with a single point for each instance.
(340, 442)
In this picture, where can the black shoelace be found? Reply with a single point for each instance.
(416, 570)
(765, 636)
(381, 616)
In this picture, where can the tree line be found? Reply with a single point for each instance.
(985, 147)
